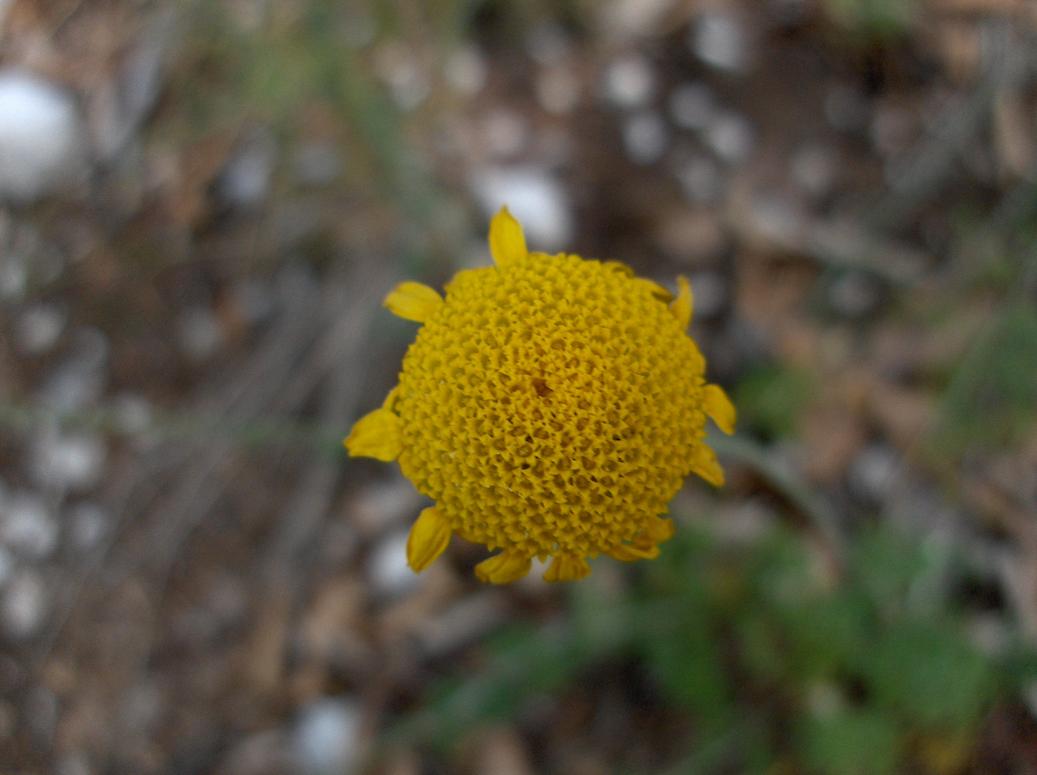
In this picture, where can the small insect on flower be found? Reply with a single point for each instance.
(550, 406)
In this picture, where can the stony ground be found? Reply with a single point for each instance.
(201, 208)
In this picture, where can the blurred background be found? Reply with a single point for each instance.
(202, 205)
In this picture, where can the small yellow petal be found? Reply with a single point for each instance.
(682, 306)
(390, 400)
(619, 266)
(507, 243)
(659, 530)
(429, 537)
(413, 301)
(719, 407)
(633, 553)
(503, 568)
(706, 466)
(655, 289)
(376, 435)
(567, 567)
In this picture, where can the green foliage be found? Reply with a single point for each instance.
(851, 742)
(991, 400)
(753, 641)
(771, 399)
(873, 19)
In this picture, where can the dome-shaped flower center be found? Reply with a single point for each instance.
(550, 405)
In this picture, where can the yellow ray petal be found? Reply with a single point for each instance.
(503, 568)
(619, 266)
(507, 242)
(413, 301)
(567, 567)
(659, 530)
(682, 306)
(376, 434)
(633, 553)
(719, 407)
(655, 289)
(429, 537)
(706, 466)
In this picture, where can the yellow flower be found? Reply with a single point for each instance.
(551, 406)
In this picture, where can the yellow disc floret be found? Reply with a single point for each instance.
(551, 406)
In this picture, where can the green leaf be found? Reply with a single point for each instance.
(851, 742)
(772, 399)
(991, 400)
(930, 675)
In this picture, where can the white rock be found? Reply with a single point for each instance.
(28, 527)
(326, 737)
(39, 327)
(200, 333)
(398, 67)
(68, 461)
(629, 82)
(387, 569)
(700, 179)
(25, 603)
(815, 168)
(465, 71)
(245, 181)
(40, 136)
(534, 196)
(873, 473)
(645, 137)
(133, 414)
(731, 137)
(719, 40)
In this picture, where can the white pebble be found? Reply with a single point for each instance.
(873, 473)
(465, 71)
(25, 603)
(40, 136)
(28, 528)
(645, 137)
(815, 168)
(534, 196)
(719, 40)
(201, 334)
(326, 736)
(700, 179)
(629, 82)
(398, 67)
(68, 461)
(387, 569)
(39, 327)
(731, 138)
(245, 180)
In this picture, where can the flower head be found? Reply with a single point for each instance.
(551, 406)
